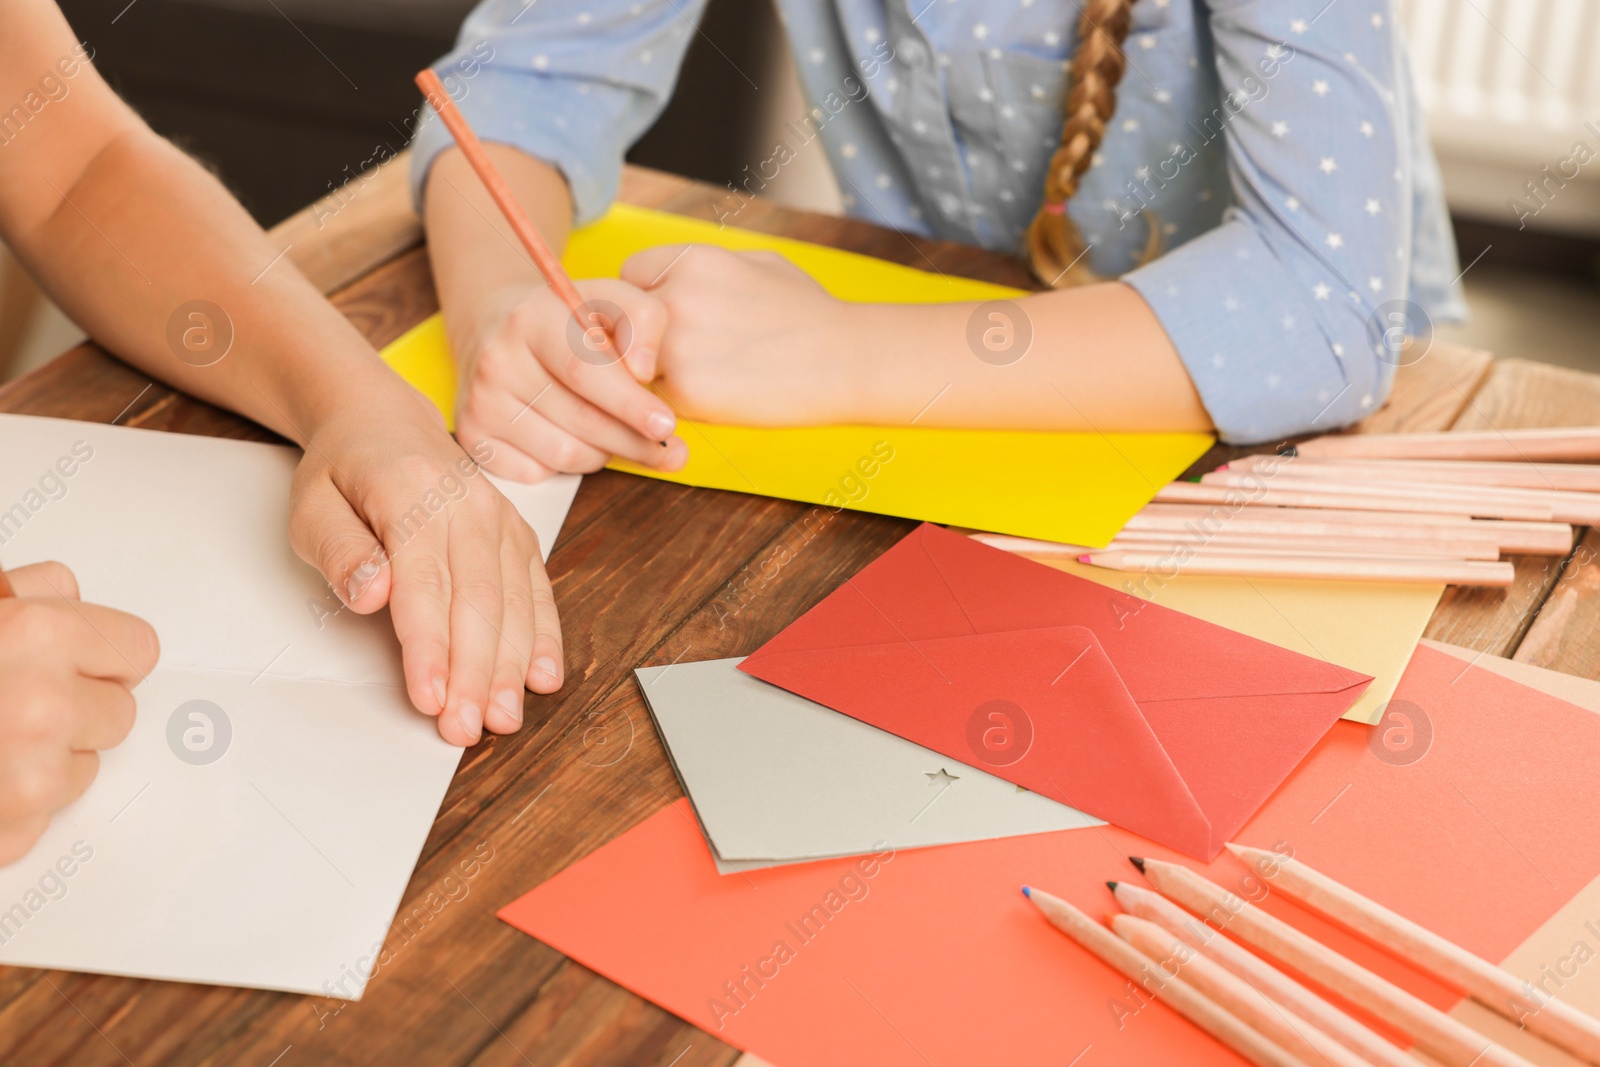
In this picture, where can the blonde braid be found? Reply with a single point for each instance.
(1053, 245)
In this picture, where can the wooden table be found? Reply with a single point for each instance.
(645, 573)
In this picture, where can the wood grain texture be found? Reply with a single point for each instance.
(645, 573)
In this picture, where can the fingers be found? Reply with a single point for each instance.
(104, 715)
(476, 613)
(106, 643)
(650, 268)
(566, 433)
(44, 579)
(419, 604)
(31, 792)
(504, 712)
(575, 354)
(17, 837)
(327, 533)
(546, 670)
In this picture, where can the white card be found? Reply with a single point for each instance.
(259, 825)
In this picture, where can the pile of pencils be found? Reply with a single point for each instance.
(1161, 944)
(1377, 507)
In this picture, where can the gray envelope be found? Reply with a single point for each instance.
(775, 778)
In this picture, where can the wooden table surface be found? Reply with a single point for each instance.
(645, 573)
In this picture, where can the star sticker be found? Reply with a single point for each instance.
(941, 778)
(1338, 349)
(1335, 240)
(1321, 291)
(1298, 26)
(1377, 21)
(1319, 87)
(1373, 207)
(1279, 129)
(1293, 203)
(1375, 283)
(1327, 166)
(1366, 129)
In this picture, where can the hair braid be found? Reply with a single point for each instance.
(1053, 245)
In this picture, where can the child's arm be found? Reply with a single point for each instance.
(125, 232)
(751, 339)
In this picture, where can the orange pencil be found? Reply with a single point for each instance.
(543, 257)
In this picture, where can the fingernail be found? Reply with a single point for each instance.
(660, 425)
(360, 578)
(510, 702)
(546, 666)
(439, 690)
(471, 720)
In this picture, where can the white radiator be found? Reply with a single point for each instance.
(1511, 87)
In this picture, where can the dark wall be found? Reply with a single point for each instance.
(285, 110)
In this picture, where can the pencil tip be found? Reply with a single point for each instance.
(1137, 861)
(1084, 559)
(1111, 886)
(1026, 893)
(1237, 849)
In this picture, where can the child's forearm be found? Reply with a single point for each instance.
(478, 266)
(166, 281)
(1098, 360)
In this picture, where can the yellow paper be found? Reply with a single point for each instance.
(1072, 487)
(1371, 627)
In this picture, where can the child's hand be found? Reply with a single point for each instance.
(67, 670)
(392, 512)
(550, 397)
(751, 339)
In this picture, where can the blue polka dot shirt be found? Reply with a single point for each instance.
(1275, 150)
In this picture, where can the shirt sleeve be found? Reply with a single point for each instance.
(1284, 314)
(572, 85)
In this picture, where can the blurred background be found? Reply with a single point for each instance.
(287, 99)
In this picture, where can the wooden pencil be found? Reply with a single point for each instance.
(1575, 507)
(1193, 493)
(1525, 538)
(1307, 544)
(1447, 1040)
(1233, 994)
(1135, 540)
(1365, 569)
(1174, 992)
(1579, 443)
(1499, 990)
(1260, 974)
(1571, 477)
(1481, 502)
(544, 258)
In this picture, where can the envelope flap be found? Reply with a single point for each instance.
(1043, 708)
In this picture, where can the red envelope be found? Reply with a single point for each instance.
(1164, 724)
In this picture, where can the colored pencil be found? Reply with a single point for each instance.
(1526, 538)
(1191, 493)
(1308, 544)
(1174, 992)
(1485, 503)
(543, 257)
(1580, 443)
(1260, 974)
(1367, 569)
(1571, 477)
(1494, 988)
(1152, 540)
(1295, 1035)
(1574, 507)
(1447, 1040)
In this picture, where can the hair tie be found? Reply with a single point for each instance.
(1055, 208)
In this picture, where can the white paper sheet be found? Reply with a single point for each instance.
(266, 845)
